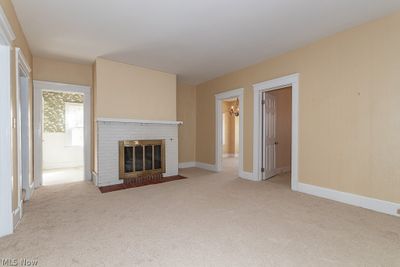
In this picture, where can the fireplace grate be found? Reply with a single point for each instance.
(139, 158)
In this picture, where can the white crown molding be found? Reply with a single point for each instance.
(7, 35)
(138, 121)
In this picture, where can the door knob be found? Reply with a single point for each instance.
(276, 143)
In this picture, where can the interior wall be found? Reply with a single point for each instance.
(186, 112)
(52, 70)
(283, 126)
(131, 92)
(349, 106)
(19, 42)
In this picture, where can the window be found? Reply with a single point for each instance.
(74, 124)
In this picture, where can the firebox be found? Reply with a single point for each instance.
(140, 158)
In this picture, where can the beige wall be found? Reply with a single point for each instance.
(60, 71)
(20, 42)
(283, 126)
(349, 109)
(130, 92)
(186, 112)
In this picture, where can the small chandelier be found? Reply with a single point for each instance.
(234, 109)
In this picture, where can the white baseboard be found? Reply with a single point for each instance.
(228, 155)
(184, 165)
(30, 190)
(284, 169)
(107, 183)
(17, 215)
(36, 182)
(206, 166)
(213, 168)
(352, 199)
(94, 178)
(247, 176)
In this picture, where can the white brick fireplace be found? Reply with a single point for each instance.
(111, 131)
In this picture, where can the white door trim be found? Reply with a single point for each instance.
(286, 81)
(21, 65)
(219, 98)
(39, 87)
(6, 214)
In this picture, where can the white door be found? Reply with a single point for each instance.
(269, 136)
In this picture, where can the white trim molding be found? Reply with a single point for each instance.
(213, 168)
(259, 88)
(351, 199)
(22, 69)
(247, 176)
(206, 166)
(185, 165)
(6, 175)
(7, 35)
(17, 215)
(94, 178)
(219, 98)
(39, 87)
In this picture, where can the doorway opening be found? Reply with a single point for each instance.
(62, 133)
(63, 125)
(277, 135)
(230, 134)
(261, 155)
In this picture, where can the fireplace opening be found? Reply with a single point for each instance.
(140, 158)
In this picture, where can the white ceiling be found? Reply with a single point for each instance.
(196, 39)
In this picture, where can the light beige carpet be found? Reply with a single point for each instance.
(207, 220)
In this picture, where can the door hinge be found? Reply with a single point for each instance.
(262, 170)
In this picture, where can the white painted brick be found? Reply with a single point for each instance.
(110, 133)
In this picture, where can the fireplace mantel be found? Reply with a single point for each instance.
(139, 121)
